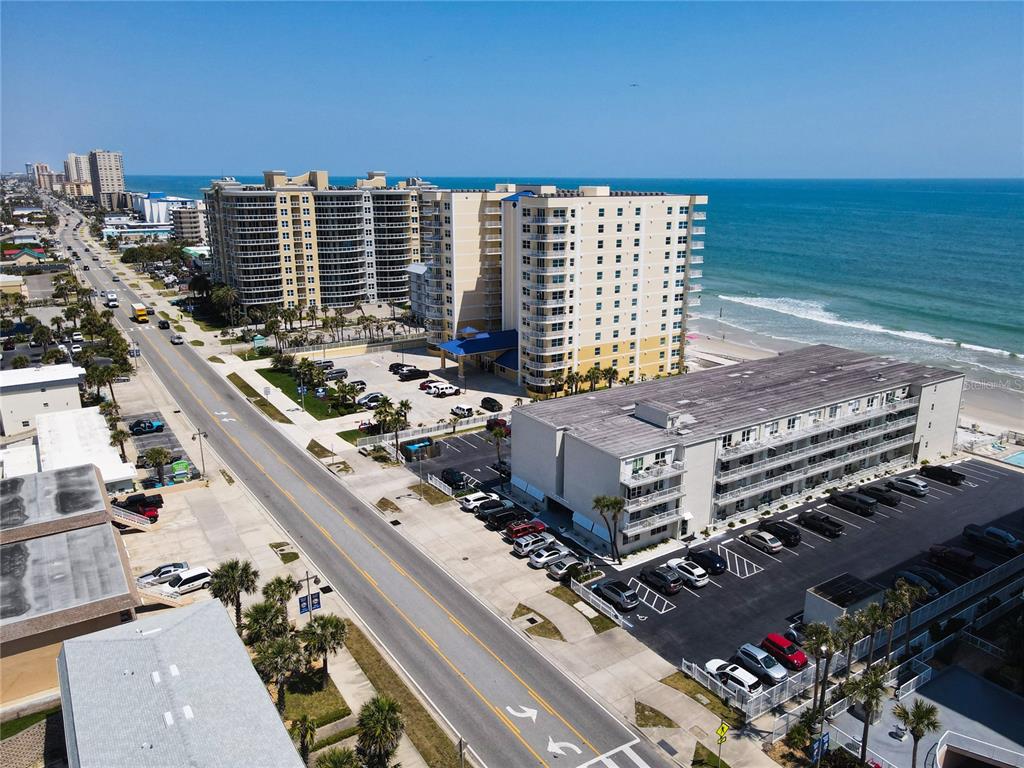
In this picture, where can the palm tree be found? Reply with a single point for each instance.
(384, 414)
(572, 381)
(229, 580)
(280, 590)
(869, 690)
(610, 509)
(896, 604)
(400, 418)
(118, 437)
(380, 729)
(818, 642)
(849, 629)
(322, 636)
(556, 381)
(920, 719)
(304, 731)
(158, 457)
(347, 393)
(610, 375)
(277, 660)
(874, 620)
(264, 621)
(338, 757)
(915, 594)
(593, 376)
(496, 435)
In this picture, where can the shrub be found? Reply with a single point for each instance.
(924, 461)
(783, 507)
(743, 521)
(732, 524)
(798, 737)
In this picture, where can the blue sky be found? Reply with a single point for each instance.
(723, 89)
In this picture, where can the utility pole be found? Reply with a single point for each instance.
(309, 578)
(202, 459)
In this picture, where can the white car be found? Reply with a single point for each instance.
(77, 336)
(444, 389)
(76, 348)
(161, 574)
(177, 339)
(370, 399)
(63, 349)
(733, 677)
(471, 501)
(692, 573)
(558, 568)
(187, 581)
(762, 540)
(527, 544)
(539, 558)
(462, 411)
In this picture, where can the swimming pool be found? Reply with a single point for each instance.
(1017, 459)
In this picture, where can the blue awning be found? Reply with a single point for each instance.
(482, 342)
(509, 360)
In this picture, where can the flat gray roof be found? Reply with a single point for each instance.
(173, 689)
(725, 399)
(45, 497)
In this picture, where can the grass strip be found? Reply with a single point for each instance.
(197, 343)
(12, 727)
(214, 359)
(318, 450)
(384, 504)
(334, 738)
(430, 741)
(306, 695)
(351, 435)
(430, 493)
(314, 406)
(544, 628)
(599, 623)
(649, 717)
(693, 689)
(705, 758)
(258, 400)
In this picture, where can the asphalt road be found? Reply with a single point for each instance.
(511, 705)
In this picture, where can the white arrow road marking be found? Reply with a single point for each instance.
(220, 413)
(229, 419)
(558, 747)
(523, 712)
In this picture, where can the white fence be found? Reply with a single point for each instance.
(442, 486)
(599, 603)
(924, 674)
(431, 430)
(971, 746)
(372, 346)
(852, 745)
(990, 648)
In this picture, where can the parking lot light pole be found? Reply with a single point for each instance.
(202, 459)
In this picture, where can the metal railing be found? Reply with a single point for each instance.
(599, 603)
(924, 674)
(344, 343)
(433, 429)
(130, 518)
(662, 518)
(665, 494)
(990, 648)
(650, 473)
(971, 746)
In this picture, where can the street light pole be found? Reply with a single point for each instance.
(202, 459)
(309, 578)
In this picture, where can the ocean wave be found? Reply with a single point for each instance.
(816, 312)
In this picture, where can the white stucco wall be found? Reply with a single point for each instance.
(937, 419)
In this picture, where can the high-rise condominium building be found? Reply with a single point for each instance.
(37, 172)
(189, 224)
(106, 171)
(76, 168)
(300, 241)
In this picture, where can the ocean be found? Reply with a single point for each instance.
(931, 271)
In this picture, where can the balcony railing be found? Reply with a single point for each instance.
(548, 220)
(492, 209)
(696, 273)
(557, 365)
(700, 215)
(552, 302)
(546, 236)
(546, 270)
(662, 518)
(814, 469)
(810, 450)
(652, 473)
(492, 238)
(696, 230)
(657, 497)
(693, 302)
(492, 224)
(695, 287)
(696, 245)
(823, 425)
(696, 259)
(491, 251)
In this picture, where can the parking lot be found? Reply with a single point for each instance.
(762, 593)
(166, 439)
(426, 410)
(471, 453)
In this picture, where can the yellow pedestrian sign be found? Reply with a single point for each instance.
(722, 730)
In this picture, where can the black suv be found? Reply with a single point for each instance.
(821, 523)
(960, 561)
(412, 373)
(785, 532)
(942, 474)
(163, 325)
(454, 479)
(396, 367)
(710, 561)
(864, 506)
(490, 404)
(663, 579)
(881, 495)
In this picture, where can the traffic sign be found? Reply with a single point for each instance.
(819, 747)
(722, 730)
(721, 739)
(314, 601)
(303, 604)
(301, 390)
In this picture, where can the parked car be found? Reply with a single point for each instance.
(960, 561)
(501, 520)
(336, 374)
(762, 540)
(163, 325)
(359, 384)
(542, 557)
(397, 367)
(473, 500)
(930, 592)
(454, 478)
(908, 485)
(942, 583)
(161, 574)
(188, 581)
(490, 404)
(662, 578)
(943, 474)
(462, 411)
(618, 593)
(411, 374)
(444, 389)
(516, 530)
(141, 500)
(690, 572)
(761, 663)
(502, 467)
(882, 495)
(785, 532)
(996, 539)
(864, 506)
(77, 337)
(795, 634)
(785, 651)
(370, 400)
(429, 382)
(710, 561)
(325, 365)
(733, 677)
(524, 545)
(145, 426)
(490, 507)
(559, 569)
(821, 523)
(177, 339)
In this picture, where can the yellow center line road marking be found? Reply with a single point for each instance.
(323, 531)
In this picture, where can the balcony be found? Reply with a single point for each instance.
(538, 381)
(696, 245)
(662, 518)
(657, 497)
(562, 302)
(546, 236)
(547, 318)
(696, 260)
(695, 287)
(492, 238)
(490, 210)
(428, 210)
(558, 220)
(558, 365)
(819, 426)
(699, 215)
(491, 251)
(696, 230)
(810, 450)
(546, 270)
(814, 469)
(492, 224)
(633, 479)
(694, 302)
(696, 274)
(536, 349)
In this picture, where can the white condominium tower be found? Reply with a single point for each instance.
(106, 170)
(299, 241)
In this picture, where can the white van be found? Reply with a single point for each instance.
(733, 677)
(188, 581)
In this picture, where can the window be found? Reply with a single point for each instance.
(618, 211)
(833, 411)
(854, 406)
(792, 422)
(773, 428)
(600, 243)
(727, 441)
(747, 435)
(872, 401)
(636, 211)
(600, 212)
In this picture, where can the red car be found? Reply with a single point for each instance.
(516, 530)
(496, 423)
(785, 651)
(428, 382)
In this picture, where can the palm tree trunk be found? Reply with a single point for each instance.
(280, 694)
(817, 673)
(913, 754)
(871, 646)
(110, 386)
(906, 651)
(849, 660)
(824, 683)
(888, 645)
(326, 675)
(864, 736)
(238, 611)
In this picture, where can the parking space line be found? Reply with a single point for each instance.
(937, 490)
(981, 477)
(833, 511)
(650, 598)
(882, 514)
(806, 544)
(760, 552)
(712, 581)
(690, 591)
(448, 444)
(813, 533)
(464, 440)
(737, 564)
(794, 516)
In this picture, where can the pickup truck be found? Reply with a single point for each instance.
(821, 523)
(960, 561)
(996, 539)
(146, 426)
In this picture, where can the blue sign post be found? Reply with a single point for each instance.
(314, 602)
(819, 747)
(304, 606)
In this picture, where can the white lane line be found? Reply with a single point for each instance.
(794, 516)
(492, 470)
(882, 514)
(464, 440)
(932, 488)
(840, 517)
(986, 470)
(712, 581)
(448, 444)
(806, 544)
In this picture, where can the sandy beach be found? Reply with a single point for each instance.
(993, 407)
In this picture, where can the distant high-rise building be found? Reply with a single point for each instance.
(76, 169)
(298, 241)
(106, 171)
(189, 224)
(36, 173)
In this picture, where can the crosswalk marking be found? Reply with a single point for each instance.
(620, 757)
